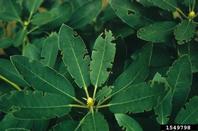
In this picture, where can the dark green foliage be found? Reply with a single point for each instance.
(98, 65)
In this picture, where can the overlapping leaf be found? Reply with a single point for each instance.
(94, 122)
(41, 77)
(137, 71)
(169, 5)
(128, 123)
(179, 78)
(19, 38)
(9, 10)
(31, 51)
(50, 50)
(11, 122)
(135, 98)
(6, 42)
(35, 105)
(8, 71)
(164, 105)
(185, 31)
(74, 55)
(129, 12)
(189, 114)
(32, 5)
(191, 49)
(102, 58)
(67, 124)
(158, 32)
(54, 17)
(103, 93)
(85, 14)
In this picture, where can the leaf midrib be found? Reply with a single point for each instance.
(78, 65)
(131, 128)
(196, 110)
(46, 107)
(185, 30)
(128, 84)
(134, 100)
(104, 50)
(47, 82)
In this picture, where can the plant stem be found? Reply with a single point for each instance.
(78, 101)
(182, 13)
(33, 29)
(80, 123)
(193, 6)
(189, 7)
(25, 38)
(78, 106)
(86, 91)
(107, 98)
(94, 93)
(195, 22)
(11, 83)
(103, 106)
(178, 9)
(30, 17)
(19, 20)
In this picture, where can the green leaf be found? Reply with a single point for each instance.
(164, 106)
(191, 49)
(78, 3)
(50, 50)
(6, 42)
(94, 122)
(8, 71)
(41, 77)
(20, 37)
(9, 10)
(103, 93)
(39, 43)
(85, 14)
(9, 121)
(54, 17)
(128, 123)
(169, 5)
(188, 114)
(102, 58)
(31, 51)
(184, 31)
(67, 124)
(35, 105)
(145, 3)
(179, 77)
(158, 32)
(137, 71)
(129, 12)
(188, 2)
(33, 5)
(135, 98)
(74, 55)
(17, 129)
